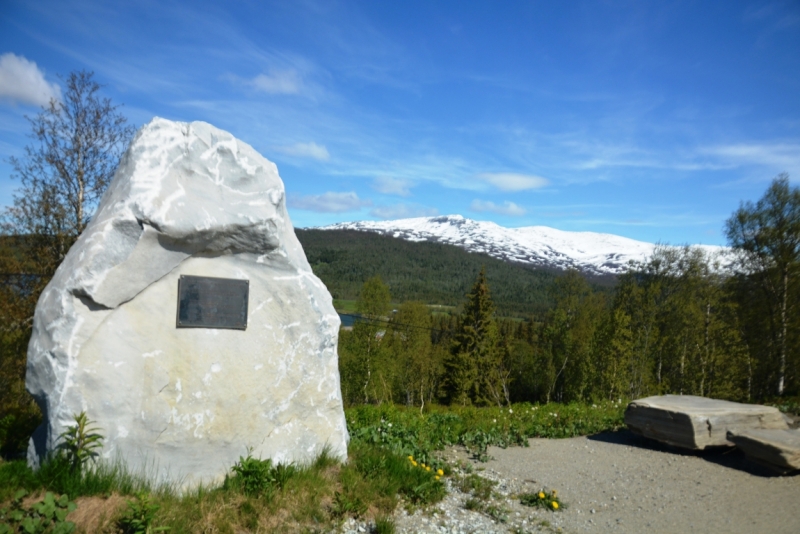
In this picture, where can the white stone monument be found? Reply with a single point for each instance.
(183, 380)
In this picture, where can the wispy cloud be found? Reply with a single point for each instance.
(287, 82)
(403, 211)
(305, 150)
(329, 202)
(506, 181)
(782, 156)
(22, 81)
(392, 186)
(507, 208)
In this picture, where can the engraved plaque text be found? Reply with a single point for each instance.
(205, 302)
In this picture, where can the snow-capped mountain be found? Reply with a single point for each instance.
(590, 252)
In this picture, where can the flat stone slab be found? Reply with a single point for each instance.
(777, 449)
(694, 422)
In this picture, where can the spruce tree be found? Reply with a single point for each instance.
(473, 371)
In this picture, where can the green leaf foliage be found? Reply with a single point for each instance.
(80, 443)
(48, 515)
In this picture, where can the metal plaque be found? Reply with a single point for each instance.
(205, 302)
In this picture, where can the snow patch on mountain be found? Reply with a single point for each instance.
(542, 246)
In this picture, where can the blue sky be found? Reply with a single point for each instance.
(651, 120)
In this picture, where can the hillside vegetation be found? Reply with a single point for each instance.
(428, 272)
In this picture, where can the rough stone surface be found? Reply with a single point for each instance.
(183, 404)
(776, 449)
(697, 422)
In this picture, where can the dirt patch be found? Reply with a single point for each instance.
(97, 514)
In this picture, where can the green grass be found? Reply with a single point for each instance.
(344, 305)
(260, 496)
(407, 431)
(57, 476)
(256, 495)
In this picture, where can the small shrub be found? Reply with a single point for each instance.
(256, 477)
(138, 518)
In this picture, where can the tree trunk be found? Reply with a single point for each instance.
(784, 296)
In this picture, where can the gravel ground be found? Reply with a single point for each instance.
(616, 482)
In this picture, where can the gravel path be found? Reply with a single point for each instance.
(618, 482)
(637, 485)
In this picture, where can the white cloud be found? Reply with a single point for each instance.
(22, 81)
(507, 208)
(329, 202)
(403, 211)
(306, 150)
(781, 156)
(392, 186)
(278, 82)
(506, 181)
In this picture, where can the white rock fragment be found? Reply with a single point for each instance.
(188, 199)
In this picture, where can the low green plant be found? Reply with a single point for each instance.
(542, 499)
(406, 431)
(46, 516)
(496, 512)
(139, 516)
(252, 475)
(348, 503)
(255, 476)
(384, 525)
(477, 486)
(476, 505)
(80, 442)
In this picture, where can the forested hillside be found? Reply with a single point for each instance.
(428, 272)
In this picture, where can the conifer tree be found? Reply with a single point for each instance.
(474, 366)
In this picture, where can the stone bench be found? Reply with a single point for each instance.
(695, 423)
(778, 450)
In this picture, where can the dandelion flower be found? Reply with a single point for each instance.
(555, 505)
(541, 495)
(427, 468)
(439, 472)
(436, 477)
(413, 463)
(410, 458)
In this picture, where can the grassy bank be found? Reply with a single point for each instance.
(260, 497)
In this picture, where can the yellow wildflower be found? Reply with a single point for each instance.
(439, 472)
(427, 468)
(413, 463)
(555, 505)
(410, 458)
(436, 477)
(541, 495)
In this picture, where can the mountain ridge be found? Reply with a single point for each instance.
(538, 246)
